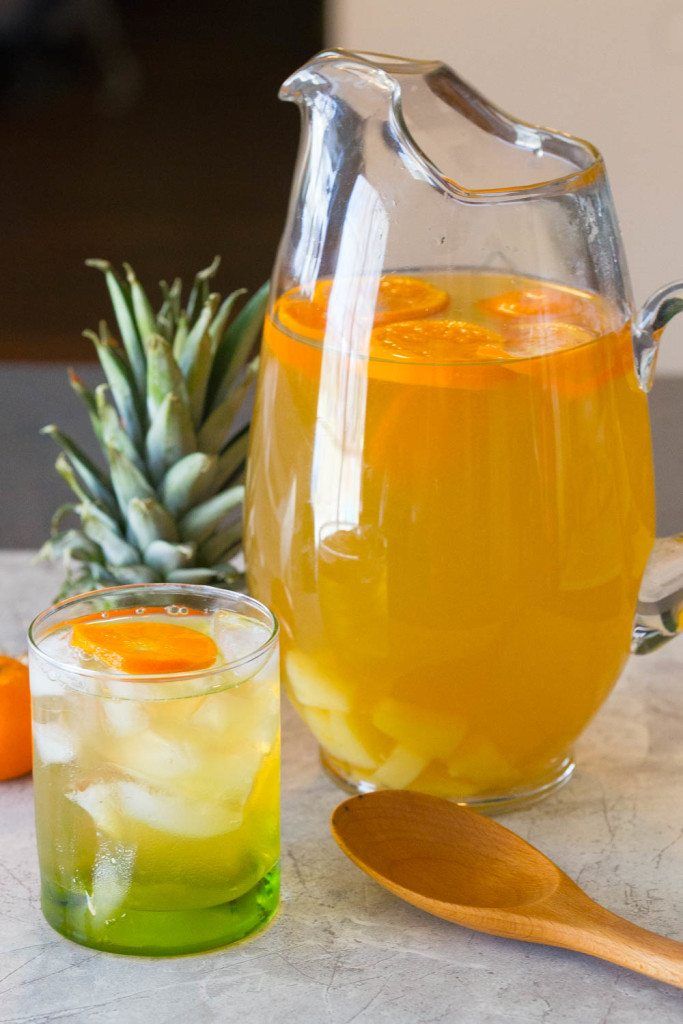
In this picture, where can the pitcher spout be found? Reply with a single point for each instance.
(442, 126)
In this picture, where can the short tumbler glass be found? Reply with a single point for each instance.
(157, 796)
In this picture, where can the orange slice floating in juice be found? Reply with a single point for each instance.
(540, 338)
(539, 301)
(145, 648)
(441, 353)
(577, 362)
(436, 341)
(398, 298)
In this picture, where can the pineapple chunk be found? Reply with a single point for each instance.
(340, 737)
(312, 688)
(400, 769)
(429, 734)
(480, 762)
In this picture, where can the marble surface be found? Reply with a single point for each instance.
(342, 949)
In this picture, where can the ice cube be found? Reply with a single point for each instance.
(236, 635)
(249, 712)
(100, 801)
(45, 682)
(111, 880)
(54, 743)
(180, 816)
(312, 687)
(400, 769)
(57, 645)
(155, 758)
(233, 773)
(125, 717)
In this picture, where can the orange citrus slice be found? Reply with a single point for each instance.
(438, 353)
(398, 298)
(538, 339)
(15, 719)
(537, 301)
(145, 648)
(567, 359)
(436, 341)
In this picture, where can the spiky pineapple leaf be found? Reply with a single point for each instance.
(170, 437)
(124, 316)
(237, 344)
(166, 507)
(187, 482)
(96, 483)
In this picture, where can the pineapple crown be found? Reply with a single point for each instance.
(166, 505)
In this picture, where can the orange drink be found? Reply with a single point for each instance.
(449, 509)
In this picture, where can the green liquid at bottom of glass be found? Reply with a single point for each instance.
(164, 932)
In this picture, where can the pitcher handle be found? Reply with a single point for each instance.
(660, 600)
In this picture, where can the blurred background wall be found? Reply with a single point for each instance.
(150, 130)
(144, 130)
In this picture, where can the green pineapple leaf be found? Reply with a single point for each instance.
(165, 503)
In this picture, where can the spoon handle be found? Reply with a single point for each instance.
(610, 937)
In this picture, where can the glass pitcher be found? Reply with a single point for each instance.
(450, 494)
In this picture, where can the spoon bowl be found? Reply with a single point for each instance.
(468, 869)
(418, 843)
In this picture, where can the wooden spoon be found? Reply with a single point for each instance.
(466, 868)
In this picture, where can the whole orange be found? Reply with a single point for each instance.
(15, 719)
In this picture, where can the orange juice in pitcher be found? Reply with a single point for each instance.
(497, 523)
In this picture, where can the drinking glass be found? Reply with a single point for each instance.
(157, 796)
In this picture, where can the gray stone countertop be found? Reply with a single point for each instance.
(342, 949)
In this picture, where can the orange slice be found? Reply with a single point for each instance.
(398, 298)
(434, 353)
(145, 648)
(438, 353)
(437, 341)
(540, 338)
(569, 360)
(539, 301)
(15, 719)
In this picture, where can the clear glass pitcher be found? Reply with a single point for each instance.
(450, 497)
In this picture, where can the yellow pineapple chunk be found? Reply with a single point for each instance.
(312, 687)
(400, 769)
(340, 736)
(480, 762)
(427, 733)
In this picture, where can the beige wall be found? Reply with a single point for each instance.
(608, 70)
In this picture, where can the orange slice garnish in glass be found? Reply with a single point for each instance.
(398, 298)
(145, 648)
(539, 301)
